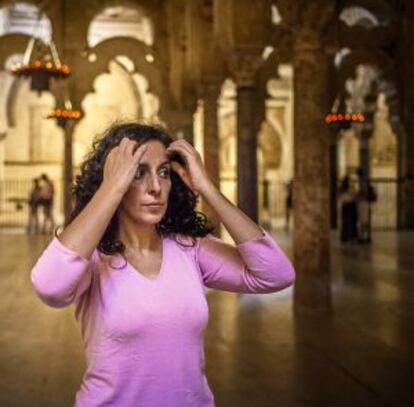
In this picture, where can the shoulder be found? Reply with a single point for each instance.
(182, 241)
(191, 245)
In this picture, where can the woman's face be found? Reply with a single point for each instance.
(151, 185)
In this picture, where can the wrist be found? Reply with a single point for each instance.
(111, 190)
(207, 188)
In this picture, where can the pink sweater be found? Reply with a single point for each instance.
(143, 338)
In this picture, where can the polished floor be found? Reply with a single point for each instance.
(258, 353)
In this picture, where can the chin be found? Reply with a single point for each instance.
(149, 218)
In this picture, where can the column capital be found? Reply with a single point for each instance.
(243, 64)
(307, 40)
(311, 23)
(179, 119)
(209, 89)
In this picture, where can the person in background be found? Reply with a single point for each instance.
(47, 192)
(366, 197)
(33, 201)
(349, 211)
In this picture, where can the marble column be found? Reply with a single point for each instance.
(211, 91)
(244, 67)
(311, 189)
(247, 198)
(68, 129)
(364, 155)
(181, 123)
(406, 140)
(333, 152)
(187, 132)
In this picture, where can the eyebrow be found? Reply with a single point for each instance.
(145, 165)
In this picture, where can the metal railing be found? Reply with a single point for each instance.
(14, 208)
(14, 202)
(384, 210)
(272, 208)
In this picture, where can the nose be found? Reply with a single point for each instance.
(154, 185)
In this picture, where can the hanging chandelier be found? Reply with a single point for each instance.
(41, 62)
(343, 121)
(62, 116)
(65, 113)
(340, 118)
(344, 118)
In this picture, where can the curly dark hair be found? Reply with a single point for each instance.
(180, 218)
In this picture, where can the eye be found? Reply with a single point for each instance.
(165, 172)
(139, 173)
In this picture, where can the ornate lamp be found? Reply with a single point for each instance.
(344, 120)
(66, 118)
(63, 115)
(64, 112)
(40, 63)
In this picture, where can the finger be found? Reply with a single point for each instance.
(130, 147)
(122, 144)
(182, 174)
(178, 168)
(184, 143)
(184, 147)
(182, 152)
(112, 152)
(180, 171)
(140, 152)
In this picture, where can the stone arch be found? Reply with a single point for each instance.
(46, 17)
(11, 102)
(270, 142)
(386, 79)
(381, 9)
(147, 24)
(131, 81)
(149, 7)
(357, 15)
(122, 101)
(375, 58)
(12, 44)
(135, 51)
(15, 85)
(268, 69)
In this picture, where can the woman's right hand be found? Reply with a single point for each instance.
(121, 165)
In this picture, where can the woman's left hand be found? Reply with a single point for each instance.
(194, 175)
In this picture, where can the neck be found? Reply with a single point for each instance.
(136, 236)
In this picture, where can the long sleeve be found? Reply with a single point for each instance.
(60, 275)
(256, 266)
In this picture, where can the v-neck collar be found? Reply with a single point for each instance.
(161, 271)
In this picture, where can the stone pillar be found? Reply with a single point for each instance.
(180, 122)
(68, 129)
(247, 198)
(244, 67)
(406, 140)
(187, 132)
(211, 91)
(311, 189)
(364, 156)
(333, 152)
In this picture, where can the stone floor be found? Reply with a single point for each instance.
(258, 352)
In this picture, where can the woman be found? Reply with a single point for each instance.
(134, 259)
